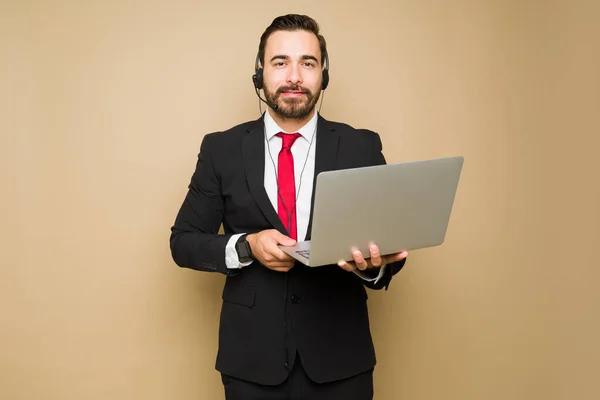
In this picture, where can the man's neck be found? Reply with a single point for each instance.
(290, 125)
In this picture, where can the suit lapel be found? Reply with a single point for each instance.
(253, 153)
(325, 159)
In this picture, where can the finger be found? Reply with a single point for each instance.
(280, 255)
(346, 265)
(395, 257)
(359, 260)
(375, 256)
(272, 252)
(282, 239)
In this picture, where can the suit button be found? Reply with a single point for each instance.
(285, 364)
(295, 299)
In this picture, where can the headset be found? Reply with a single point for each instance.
(257, 79)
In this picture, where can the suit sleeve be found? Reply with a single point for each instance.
(195, 242)
(392, 269)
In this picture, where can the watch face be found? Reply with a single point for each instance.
(243, 250)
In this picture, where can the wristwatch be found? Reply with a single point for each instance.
(243, 249)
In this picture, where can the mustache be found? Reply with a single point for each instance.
(294, 88)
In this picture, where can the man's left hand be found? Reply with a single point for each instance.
(375, 260)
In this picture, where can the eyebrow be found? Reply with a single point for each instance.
(284, 57)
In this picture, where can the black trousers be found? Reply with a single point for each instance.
(298, 386)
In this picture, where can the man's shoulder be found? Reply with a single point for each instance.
(347, 129)
(231, 135)
(236, 130)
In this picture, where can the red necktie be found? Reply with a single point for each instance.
(286, 185)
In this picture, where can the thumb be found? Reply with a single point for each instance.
(283, 239)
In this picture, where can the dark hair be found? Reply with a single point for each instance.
(291, 22)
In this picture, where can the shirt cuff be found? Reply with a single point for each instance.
(232, 260)
(368, 278)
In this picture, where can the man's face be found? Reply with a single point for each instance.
(292, 72)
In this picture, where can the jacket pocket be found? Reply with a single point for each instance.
(239, 294)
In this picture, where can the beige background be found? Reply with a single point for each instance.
(103, 108)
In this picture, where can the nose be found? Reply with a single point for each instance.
(294, 75)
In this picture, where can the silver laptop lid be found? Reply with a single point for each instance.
(397, 206)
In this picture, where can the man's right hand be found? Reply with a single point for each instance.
(264, 249)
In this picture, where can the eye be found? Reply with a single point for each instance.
(309, 64)
(278, 63)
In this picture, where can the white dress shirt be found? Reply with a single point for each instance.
(303, 151)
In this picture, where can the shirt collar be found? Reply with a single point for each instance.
(307, 131)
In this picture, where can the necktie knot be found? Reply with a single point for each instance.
(288, 139)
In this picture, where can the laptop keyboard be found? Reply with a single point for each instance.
(303, 253)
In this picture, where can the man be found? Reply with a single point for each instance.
(286, 330)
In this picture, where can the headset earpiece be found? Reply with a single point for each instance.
(325, 72)
(257, 78)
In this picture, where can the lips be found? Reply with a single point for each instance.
(293, 93)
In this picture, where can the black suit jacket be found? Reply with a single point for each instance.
(268, 317)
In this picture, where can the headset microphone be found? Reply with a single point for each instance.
(267, 102)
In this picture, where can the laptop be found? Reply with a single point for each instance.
(399, 207)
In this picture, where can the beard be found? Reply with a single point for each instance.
(296, 107)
